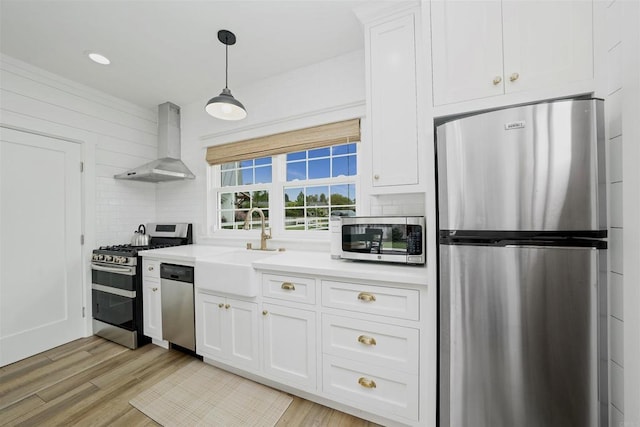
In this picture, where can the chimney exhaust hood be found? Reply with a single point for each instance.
(168, 167)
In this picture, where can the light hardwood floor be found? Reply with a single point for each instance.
(90, 381)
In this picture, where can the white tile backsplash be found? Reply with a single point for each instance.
(411, 204)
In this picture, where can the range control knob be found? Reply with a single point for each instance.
(100, 257)
(108, 258)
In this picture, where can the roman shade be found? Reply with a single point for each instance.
(286, 142)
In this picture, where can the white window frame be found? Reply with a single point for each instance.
(276, 199)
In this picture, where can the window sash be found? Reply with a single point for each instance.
(297, 140)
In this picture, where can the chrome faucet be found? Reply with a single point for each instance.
(263, 235)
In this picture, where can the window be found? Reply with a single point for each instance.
(298, 178)
(308, 207)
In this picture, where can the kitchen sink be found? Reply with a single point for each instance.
(231, 272)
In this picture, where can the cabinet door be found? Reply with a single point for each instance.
(210, 327)
(152, 309)
(547, 43)
(242, 333)
(394, 102)
(290, 345)
(466, 50)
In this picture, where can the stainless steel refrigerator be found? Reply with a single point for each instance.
(523, 267)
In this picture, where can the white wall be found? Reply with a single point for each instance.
(115, 134)
(321, 93)
(622, 107)
(630, 70)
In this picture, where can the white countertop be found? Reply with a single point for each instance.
(300, 262)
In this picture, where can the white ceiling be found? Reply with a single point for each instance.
(167, 50)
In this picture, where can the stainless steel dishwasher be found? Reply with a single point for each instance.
(178, 318)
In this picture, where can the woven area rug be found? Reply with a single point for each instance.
(202, 395)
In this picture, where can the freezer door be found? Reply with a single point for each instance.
(519, 337)
(538, 167)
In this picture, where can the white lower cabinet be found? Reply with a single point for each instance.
(151, 299)
(353, 343)
(392, 346)
(290, 345)
(371, 388)
(152, 308)
(227, 330)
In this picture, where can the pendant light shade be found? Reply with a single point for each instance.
(225, 106)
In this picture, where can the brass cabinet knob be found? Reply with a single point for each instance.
(150, 268)
(497, 80)
(366, 297)
(366, 382)
(376, 176)
(265, 312)
(221, 305)
(366, 340)
(154, 289)
(227, 306)
(288, 286)
(513, 77)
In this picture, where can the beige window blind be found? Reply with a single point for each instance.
(287, 142)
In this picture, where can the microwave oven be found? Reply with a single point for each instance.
(397, 239)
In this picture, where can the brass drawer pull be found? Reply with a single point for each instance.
(366, 382)
(288, 286)
(513, 77)
(265, 312)
(366, 340)
(154, 289)
(227, 306)
(497, 80)
(363, 296)
(221, 305)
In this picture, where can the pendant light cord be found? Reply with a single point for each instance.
(226, 67)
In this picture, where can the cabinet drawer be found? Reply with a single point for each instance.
(379, 390)
(151, 268)
(381, 300)
(289, 288)
(389, 346)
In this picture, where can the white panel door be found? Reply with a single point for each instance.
(547, 43)
(41, 291)
(243, 347)
(290, 345)
(394, 103)
(210, 325)
(466, 50)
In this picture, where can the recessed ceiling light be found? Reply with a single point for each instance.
(100, 59)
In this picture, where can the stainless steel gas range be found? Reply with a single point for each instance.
(116, 276)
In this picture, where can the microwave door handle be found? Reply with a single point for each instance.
(119, 270)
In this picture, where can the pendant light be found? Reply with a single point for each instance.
(225, 106)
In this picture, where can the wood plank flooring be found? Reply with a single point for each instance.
(89, 382)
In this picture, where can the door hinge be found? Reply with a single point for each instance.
(82, 239)
(83, 309)
(81, 166)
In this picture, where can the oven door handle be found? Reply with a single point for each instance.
(129, 271)
(114, 291)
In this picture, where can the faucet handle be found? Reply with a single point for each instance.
(267, 233)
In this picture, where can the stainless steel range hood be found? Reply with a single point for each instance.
(168, 167)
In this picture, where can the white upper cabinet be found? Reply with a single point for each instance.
(392, 98)
(488, 48)
(466, 50)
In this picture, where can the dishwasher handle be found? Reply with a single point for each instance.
(178, 273)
